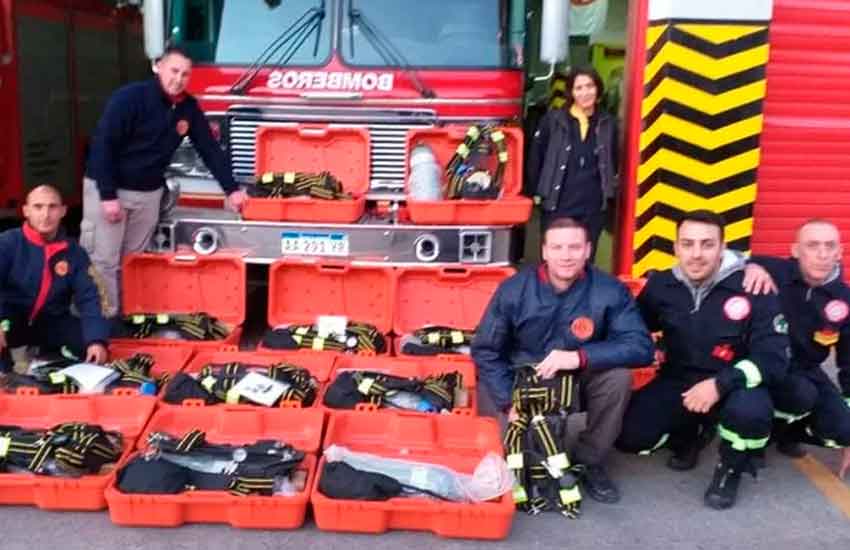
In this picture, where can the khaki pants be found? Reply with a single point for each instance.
(107, 243)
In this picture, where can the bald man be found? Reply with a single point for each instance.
(809, 408)
(41, 273)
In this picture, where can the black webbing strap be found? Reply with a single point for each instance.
(480, 140)
(446, 338)
(192, 326)
(71, 449)
(298, 184)
(545, 478)
(219, 379)
(361, 338)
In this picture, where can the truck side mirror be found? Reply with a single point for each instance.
(554, 34)
(154, 22)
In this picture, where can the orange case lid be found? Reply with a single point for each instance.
(451, 296)
(301, 291)
(344, 152)
(184, 283)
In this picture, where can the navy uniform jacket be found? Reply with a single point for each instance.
(39, 279)
(724, 336)
(526, 319)
(819, 317)
(137, 135)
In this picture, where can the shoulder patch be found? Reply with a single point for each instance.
(737, 308)
(836, 311)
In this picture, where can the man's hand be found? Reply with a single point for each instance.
(556, 361)
(234, 200)
(701, 397)
(96, 353)
(845, 462)
(112, 211)
(758, 281)
(512, 414)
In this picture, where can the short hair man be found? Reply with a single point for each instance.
(41, 273)
(566, 316)
(723, 348)
(141, 128)
(809, 408)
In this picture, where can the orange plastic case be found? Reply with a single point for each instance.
(302, 428)
(113, 413)
(459, 442)
(406, 367)
(453, 296)
(641, 376)
(301, 291)
(510, 208)
(319, 365)
(344, 152)
(185, 283)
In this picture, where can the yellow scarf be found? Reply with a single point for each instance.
(583, 120)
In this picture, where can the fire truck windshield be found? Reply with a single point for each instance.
(437, 33)
(450, 33)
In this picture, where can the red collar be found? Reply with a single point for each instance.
(37, 239)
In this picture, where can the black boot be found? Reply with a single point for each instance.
(686, 457)
(598, 486)
(723, 491)
(787, 437)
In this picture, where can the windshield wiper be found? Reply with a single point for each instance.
(295, 35)
(385, 48)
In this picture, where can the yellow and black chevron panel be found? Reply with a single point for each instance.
(701, 119)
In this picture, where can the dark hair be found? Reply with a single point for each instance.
(174, 50)
(566, 223)
(703, 216)
(574, 73)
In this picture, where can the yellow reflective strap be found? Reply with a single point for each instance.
(208, 383)
(268, 177)
(740, 443)
(5, 442)
(559, 461)
(289, 177)
(138, 319)
(365, 385)
(503, 156)
(57, 378)
(570, 496)
(318, 343)
(751, 372)
(473, 132)
(232, 396)
(515, 461)
(433, 338)
(519, 494)
(162, 319)
(463, 150)
(497, 136)
(457, 337)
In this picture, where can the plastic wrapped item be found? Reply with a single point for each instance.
(408, 401)
(425, 184)
(491, 478)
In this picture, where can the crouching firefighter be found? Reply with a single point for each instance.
(41, 273)
(808, 407)
(578, 327)
(723, 348)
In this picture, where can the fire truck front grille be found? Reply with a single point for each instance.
(388, 131)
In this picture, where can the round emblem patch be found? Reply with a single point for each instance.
(61, 268)
(582, 327)
(182, 127)
(737, 308)
(836, 311)
(780, 325)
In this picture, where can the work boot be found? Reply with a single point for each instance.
(687, 457)
(723, 491)
(596, 483)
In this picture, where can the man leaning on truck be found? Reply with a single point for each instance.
(138, 133)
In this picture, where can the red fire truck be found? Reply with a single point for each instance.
(59, 61)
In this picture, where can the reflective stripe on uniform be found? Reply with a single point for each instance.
(788, 417)
(655, 447)
(741, 443)
(751, 372)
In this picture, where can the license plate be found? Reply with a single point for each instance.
(314, 244)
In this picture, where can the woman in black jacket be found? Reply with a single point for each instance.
(573, 156)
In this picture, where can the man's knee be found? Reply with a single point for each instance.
(748, 412)
(610, 384)
(796, 395)
(638, 435)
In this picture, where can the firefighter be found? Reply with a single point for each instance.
(567, 316)
(41, 273)
(141, 128)
(573, 156)
(809, 408)
(723, 348)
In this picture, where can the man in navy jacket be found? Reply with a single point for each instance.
(565, 315)
(41, 274)
(141, 128)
